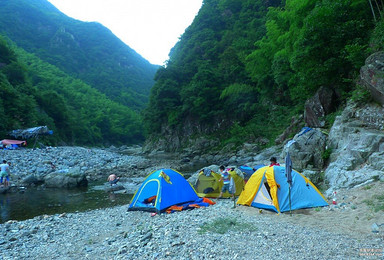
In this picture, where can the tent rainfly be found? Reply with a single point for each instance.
(10, 142)
(31, 132)
(268, 188)
(165, 189)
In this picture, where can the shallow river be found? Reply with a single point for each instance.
(33, 202)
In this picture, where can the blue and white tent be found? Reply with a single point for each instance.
(268, 188)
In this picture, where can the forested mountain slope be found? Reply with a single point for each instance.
(87, 51)
(34, 92)
(245, 67)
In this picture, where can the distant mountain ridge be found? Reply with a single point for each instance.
(88, 51)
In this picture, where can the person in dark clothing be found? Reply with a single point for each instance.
(274, 162)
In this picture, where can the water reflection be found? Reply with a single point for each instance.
(34, 202)
(5, 208)
(112, 196)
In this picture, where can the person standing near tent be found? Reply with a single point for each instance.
(4, 172)
(274, 162)
(226, 179)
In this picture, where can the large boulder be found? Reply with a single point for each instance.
(296, 124)
(306, 150)
(317, 107)
(32, 180)
(356, 140)
(3, 190)
(264, 156)
(111, 188)
(66, 179)
(372, 76)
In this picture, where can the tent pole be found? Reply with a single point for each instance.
(37, 137)
(288, 174)
(290, 207)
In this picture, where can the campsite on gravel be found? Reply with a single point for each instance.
(352, 228)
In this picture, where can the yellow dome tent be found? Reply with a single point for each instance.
(208, 183)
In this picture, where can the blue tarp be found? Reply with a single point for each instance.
(31, 132)
(248, 171)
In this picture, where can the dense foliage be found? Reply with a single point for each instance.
(36, 93)
(87, 51)
(251, 64)
(239, 72)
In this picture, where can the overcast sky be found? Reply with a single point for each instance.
(150, 27)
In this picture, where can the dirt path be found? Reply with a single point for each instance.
(352, 215)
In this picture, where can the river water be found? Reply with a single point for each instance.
(33, 202)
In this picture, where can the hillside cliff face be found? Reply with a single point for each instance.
(356, 138)
(244, 70)
(348, 155)
(87, 51)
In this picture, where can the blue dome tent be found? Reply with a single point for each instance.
(162, 189)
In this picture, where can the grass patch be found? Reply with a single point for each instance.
(326, 154)
(223, 225)
(376, 203)
(361, 95)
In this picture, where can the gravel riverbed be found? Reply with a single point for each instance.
(216, 232)
(342, 231)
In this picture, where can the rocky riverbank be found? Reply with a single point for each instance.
(352, 229)
(36, 166)
(67, 167)
(216, 232)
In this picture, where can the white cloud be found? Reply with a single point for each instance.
(150, 27)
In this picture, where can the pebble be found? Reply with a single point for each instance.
(93, 235)
(96, 163)
(114, 233)
(375, 228)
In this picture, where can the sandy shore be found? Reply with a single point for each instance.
(351, 215)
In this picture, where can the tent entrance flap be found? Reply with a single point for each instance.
(207, 184)
(150, 189)
(263, 196)
(263, 199)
